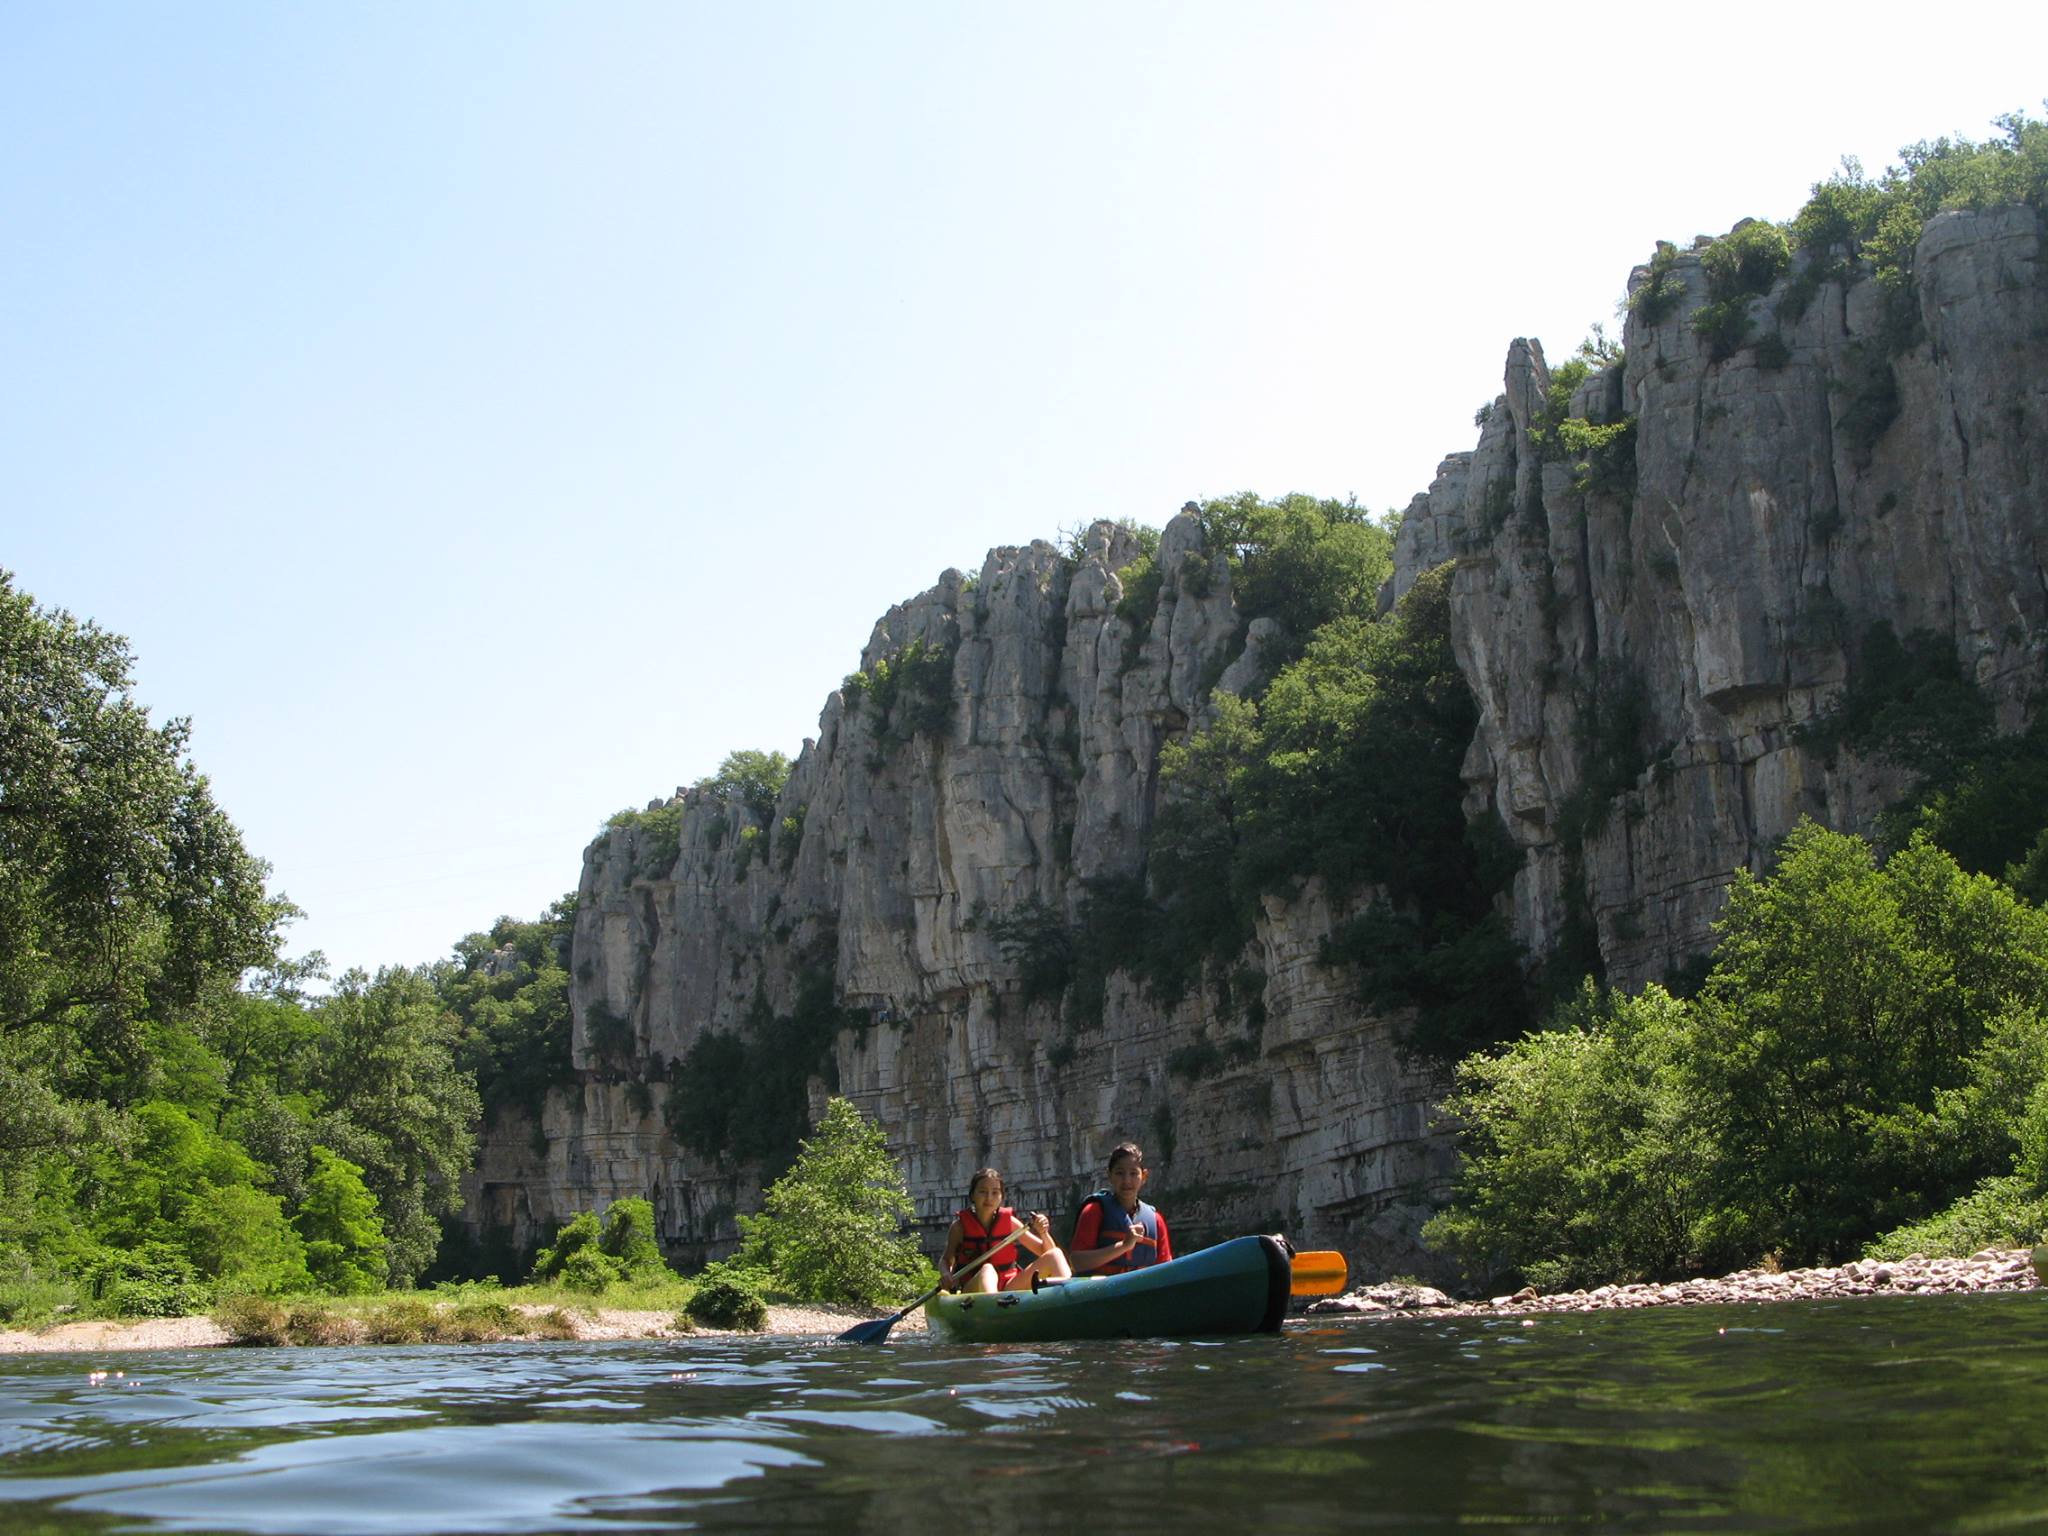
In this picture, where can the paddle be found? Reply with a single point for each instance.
(875, 1332)
(1318, 1272)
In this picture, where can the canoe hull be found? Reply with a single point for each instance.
(1236, 1287)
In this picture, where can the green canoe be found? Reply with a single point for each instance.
(1236, 1287)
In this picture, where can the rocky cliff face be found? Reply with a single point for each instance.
(907, 859)
(1645, 637)
(1645, 654)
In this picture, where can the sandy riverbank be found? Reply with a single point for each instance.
(103, 1336)
(1994, 1269)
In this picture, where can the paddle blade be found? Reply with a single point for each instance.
(870, 1333)
(1320, 1272)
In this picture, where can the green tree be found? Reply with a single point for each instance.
(1844, 1000)
(831, 1229)
(509, 992)
(345, 1245)
(191, 1192)
(394, 1102)
(755, 777)
(1585, 1156)
(126, 895)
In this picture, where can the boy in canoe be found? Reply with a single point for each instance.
(1117, 1230)
(985, 1221)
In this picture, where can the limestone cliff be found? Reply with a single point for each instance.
(1644, 636)
(1654, 646)
(1013, 760)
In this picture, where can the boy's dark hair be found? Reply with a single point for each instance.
(1128, 1149)
(979, 1175)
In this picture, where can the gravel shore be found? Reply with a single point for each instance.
(1994, 1269)
(101, 1336)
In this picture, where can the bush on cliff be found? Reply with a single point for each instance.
(831, 1229)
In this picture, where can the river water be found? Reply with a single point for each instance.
(1913, 1414)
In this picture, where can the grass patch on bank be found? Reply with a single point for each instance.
(477, 1312)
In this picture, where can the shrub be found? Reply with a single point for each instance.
(153, 1280)
(911, 692)
(579, 1232)
(1585, 1160)
(1745, 262)
(830, 1229)
(310, 1322)
(588, 1270)
(755, 778)
(1724, 327)
(658, 834)
(2009, 1211)
(1656, 297)
(402, 1320)
(28, 1294)
(253, 1320)
(726, 1300)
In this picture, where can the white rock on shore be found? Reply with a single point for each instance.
(1993, 1269)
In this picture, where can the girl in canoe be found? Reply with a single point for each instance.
(1117, 1230)
(983, 1222)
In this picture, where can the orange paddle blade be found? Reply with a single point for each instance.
(1320, 1272)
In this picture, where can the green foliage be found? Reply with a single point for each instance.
(727, 1297)
(754, 778)
(1851, 218)
(1724, 326)
(160, 1121)
(1870, 1046)
(149, 1280)
(911, 693)
(396, 1104)
(345, 1245)
(744, 1093)
(1037, 942)
(831, 1228)
(1870, 400)
(1980, 796)
(182, 1189)
(2008, 1211)
(589, 1270)
(508, 990)
(1585, 1160)
(127, 898)
(657, 837)
(1603, 458)
(1300, 561)
(1141, 581)
(592, 1255)
(1346, 770)
(1656, 298)
(1745, 262)
(579, 1232)
(1843, 1000)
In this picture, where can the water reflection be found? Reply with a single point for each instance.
(1926, 1414)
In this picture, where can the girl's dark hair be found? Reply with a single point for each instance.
(1128, 1149)
(979, 1175)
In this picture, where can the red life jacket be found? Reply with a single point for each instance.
(975, 1240)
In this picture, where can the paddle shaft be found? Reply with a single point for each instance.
(872, 1333)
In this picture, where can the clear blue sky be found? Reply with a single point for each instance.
(482, 417)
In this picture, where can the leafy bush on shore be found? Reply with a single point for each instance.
(831, 1228)
(1869, 1051)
